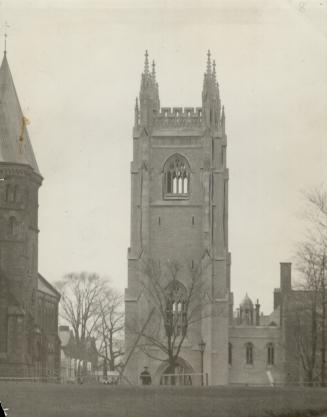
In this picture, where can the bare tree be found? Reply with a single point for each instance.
(177, 306)
(304, 310)
(80, 295)
(309, 305)
(109, 329)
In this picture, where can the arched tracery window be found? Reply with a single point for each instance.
(230, 353)
(12, 225)
(249, 354)
(270, 354)
(176, 309)
(176, 177)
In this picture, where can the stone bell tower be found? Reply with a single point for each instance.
(179, 211)
(20, 180)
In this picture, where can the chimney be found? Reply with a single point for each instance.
(285, 276)
(277, 298)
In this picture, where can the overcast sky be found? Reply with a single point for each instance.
(77, 67)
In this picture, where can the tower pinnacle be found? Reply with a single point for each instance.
(209, 62)
(214, 70)
(210, 95)
(153, 71)
(149, 93)
(146, 63)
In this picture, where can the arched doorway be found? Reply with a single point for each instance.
(181, 375)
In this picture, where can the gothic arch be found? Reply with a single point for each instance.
(176, 309)
(176, 290)
(249, 353)
(163, 369)
(176, 177)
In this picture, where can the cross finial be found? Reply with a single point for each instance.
(5, 26)
(146, 63)
(209, 62)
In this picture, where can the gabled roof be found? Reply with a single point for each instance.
(15, 145)
(44, 286)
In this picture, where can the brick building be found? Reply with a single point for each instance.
(29, 343)
(179, 211)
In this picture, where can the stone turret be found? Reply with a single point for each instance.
(20, 180)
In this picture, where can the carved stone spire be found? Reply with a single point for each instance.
(209, 62)
(146, 63)
(214, 71)
(149, 94)
(223, 119)
(153, 71)
(136, 112)
(211, 105)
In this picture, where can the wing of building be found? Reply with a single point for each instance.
(29, 343)
(179, 216)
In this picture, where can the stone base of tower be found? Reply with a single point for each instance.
(215, 334)
(190, 359)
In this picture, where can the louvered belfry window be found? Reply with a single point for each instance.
(176, 177)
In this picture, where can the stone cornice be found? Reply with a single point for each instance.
(22, 170)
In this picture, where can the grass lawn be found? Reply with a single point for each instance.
(52, 400)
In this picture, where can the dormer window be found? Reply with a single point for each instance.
(176, 177)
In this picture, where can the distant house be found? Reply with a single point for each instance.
(71, 358)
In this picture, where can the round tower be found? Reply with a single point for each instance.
(20, 180)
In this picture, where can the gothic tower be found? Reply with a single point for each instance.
(179, 215)
(20, 180)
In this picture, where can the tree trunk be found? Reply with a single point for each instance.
(111, 364)
(172, 369)
(323, 325)
(314, 335)
(105, 368)
(310, 377)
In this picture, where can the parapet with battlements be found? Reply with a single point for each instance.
(178, 117)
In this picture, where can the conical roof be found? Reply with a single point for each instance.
(15, 145)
